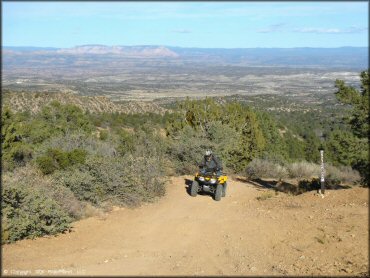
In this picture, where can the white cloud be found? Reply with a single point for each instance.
(278, 27)
(181, 31)
(282, 27)
(318, 30)
(352, 29)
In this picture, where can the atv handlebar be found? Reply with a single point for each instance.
(211, 173)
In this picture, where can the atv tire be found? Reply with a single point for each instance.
(194, 189)
(224, 187)
(218, 192)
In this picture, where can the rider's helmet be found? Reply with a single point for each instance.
(208, 155)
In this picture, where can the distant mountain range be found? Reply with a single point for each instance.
(128, 51)
(345, 57)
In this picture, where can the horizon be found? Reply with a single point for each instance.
(186, 24)
(174, 46)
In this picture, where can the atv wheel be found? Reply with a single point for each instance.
(224, 187)
(194, 189)
(218, 192)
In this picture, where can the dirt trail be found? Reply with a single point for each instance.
(182, 235)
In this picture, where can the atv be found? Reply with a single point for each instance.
(210, 182)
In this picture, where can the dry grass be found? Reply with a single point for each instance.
(266, 195)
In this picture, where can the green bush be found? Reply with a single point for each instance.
(64, 118)
(32, 206)
(103, 135)
(126, 142)
(46, 164)
(76, 156)
(21, 153)
(236, 132)
(81, 182)
(57, 159)
(187, 150)
(127, 180)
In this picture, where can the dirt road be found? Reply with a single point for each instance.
(182, 235)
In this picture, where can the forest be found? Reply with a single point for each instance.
(62, 164)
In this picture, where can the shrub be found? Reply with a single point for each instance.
(17, 154)
(46, 164)
(30, 213)
(31, 177)
(304, 172)
(260, 168)
(333, 175)
(187, 149)
(65, 118)
(303, 169)
(308, 185)
(342, 174)
(57, 159)
(79, 140)
(126, 142)
(103, 135)
(21, 153)
(266, 195)
(76, 156)
(33, 206)
(125, 180)
(80, 182)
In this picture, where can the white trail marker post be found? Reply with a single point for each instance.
(322, 176)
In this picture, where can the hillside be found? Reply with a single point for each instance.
(22, 101)
(181, 235)
(61, 166)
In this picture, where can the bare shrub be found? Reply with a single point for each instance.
(303, 170)
(76, 140)
(90, 210)
(261, 168)
(342, 174)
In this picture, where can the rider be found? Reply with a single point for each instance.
(210, 163)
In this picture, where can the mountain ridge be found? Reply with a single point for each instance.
(349, 57)
(30, 48)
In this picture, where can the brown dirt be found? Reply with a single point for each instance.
(181, 235)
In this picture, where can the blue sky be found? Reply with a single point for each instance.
(186, 24)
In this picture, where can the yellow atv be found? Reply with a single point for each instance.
(209, 182)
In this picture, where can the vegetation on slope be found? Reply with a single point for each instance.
(60, 161)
